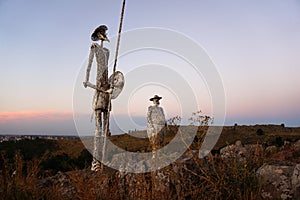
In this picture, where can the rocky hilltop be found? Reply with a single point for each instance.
(248, 162)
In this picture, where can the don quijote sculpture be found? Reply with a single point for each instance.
(105, 90)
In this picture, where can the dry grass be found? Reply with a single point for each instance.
(71, 147)
(209, 178)
(248, 135)
(19, 181)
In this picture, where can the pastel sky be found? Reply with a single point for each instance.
(254, 45)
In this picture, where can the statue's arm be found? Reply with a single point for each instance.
(91, 85)
(86, 83)
(149, 117)
(163, 115)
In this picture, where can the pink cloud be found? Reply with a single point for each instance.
(6, 117)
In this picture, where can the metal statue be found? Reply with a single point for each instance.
(101, 104)
(156, 124)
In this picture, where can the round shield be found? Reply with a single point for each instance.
(118, 84)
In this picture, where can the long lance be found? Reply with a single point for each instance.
(112, 84)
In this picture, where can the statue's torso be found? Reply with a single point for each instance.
(156, 121)
(100, 98)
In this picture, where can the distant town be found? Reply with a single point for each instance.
(4, 138)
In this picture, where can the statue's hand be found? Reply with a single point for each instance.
(110, 90)
(85, 84)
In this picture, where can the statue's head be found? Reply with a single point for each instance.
(100, 34)
(155, 99)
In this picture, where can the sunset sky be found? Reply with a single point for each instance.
(255, 46)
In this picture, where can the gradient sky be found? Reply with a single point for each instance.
(254, 44)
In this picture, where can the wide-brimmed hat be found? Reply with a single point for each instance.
(155, 97)
(100, 33)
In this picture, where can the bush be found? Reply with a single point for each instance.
(84, 160)
(279, 142)
(260, 132)
(61, 162)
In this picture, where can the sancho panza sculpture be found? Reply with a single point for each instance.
(156, 123)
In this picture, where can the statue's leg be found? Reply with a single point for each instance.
(153, 141)
(157, 141)
(106, 123)
(105, 135)
(153, 166)
(96, 164)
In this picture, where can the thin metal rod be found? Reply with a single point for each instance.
(112, 85)
(118, 41)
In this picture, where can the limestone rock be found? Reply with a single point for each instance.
(239, 151)
(271, 149)
(276, 181)
(296, 145)
(296, 180)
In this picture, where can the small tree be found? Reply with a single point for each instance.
(198, 119)
(174, 121)
(202, 121)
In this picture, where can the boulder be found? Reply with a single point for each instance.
(271, 149)
(239, 151)
(279, 182)
(296, 145)
(63, 183)
(128, 163)
(296, 180)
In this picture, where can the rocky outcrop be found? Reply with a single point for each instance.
(280, 175)
(140, 163)
(62, 181)
(271, 149)
(128, 163)
(238, 150)
(296, 181)
(279, 181)
(276, 181)
(296, 146)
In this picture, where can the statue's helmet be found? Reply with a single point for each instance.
(100, 33)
